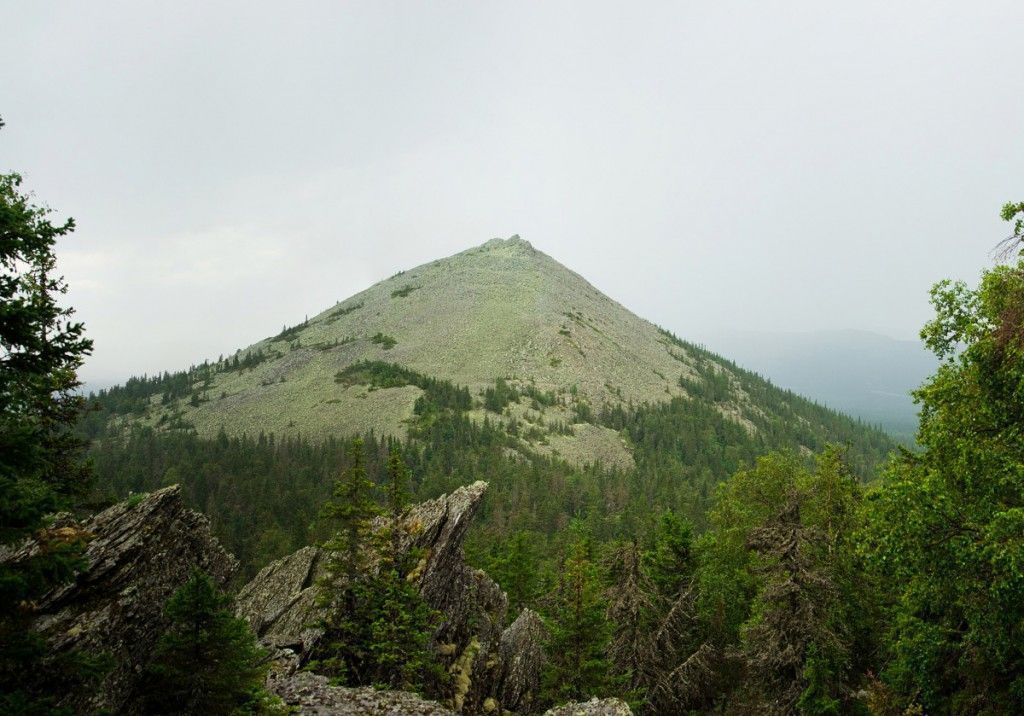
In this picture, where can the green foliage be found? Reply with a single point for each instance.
(669, 562)
(208, 660)
(343, 311)
(440, 395)
(780, 582)
(41, 471)
(403, 291)
(289, 333)
(498, 397)
(1014, 211)
(578, 667)
(378, 630)
(384, 341)
(947, 527)
(352, 509)
(513, 565)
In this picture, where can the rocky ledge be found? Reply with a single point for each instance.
(137, 554)
(594, 707)
(493, 667)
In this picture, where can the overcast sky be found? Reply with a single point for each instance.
(780, 166)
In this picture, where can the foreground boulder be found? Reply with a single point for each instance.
(492, 667)
(594, 707)
(521, 655)
(311, 695)
(138, 553)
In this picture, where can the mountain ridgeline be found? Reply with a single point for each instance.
(497, 363)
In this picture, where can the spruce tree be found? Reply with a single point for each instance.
(41, 470)
(579, 632)
(515, 568)
(669, 561)
(207, 662)
(378, 629)
(633, 610)
(346, 643)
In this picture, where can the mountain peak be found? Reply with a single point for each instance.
(513, 243)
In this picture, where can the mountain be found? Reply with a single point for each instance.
(502, 310)
(496, 363)
(864, 374)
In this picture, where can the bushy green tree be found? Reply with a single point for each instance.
(41, 470)
(780, 586)
(946, 531)
(207, 662)
(516, 568)
(578, 666)
(669, 561)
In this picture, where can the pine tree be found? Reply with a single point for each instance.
(41, 471)
(378, 631)
(208, 660)
(633, 610)
(345, 646)
(579, 633)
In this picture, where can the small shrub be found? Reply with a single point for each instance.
(403, 291)
(339, 312)
(384, 341)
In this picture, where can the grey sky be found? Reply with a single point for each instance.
(715, 165)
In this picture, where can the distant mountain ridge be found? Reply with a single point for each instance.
(860, 373)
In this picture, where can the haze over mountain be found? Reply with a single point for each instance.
(860, 373)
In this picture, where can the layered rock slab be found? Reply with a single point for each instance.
(138, 553)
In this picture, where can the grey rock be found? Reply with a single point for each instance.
(139, 553)
(311, 694)
(594, 707)
(279, 602)
(521, 654)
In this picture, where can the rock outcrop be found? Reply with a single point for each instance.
(138, 553)
(521, 655)
(492, 666)
(594, 707)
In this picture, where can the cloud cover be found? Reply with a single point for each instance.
(713, 166)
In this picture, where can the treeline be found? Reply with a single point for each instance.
(137, 393)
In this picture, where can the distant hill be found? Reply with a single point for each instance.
(864, 374)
